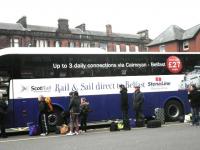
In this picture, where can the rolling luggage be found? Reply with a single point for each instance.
(160, 115)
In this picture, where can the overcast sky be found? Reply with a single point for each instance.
(125, 16)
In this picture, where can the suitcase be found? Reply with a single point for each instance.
(154, 124)
(160, 115)
(140, 123)
(132, 123)
(113, 126)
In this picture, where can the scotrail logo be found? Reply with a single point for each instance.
(40, 88)
(158, 82)
(35, 89)
(23, 88)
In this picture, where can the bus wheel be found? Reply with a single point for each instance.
(173, 110)
(54, 119)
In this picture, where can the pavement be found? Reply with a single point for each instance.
(90, 125)
(175, 136)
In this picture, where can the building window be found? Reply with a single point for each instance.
(85, 44)
(185, 45)
(103, 46)
(72, 44)
(117, 48)
(57, 44)
(136, 49)
(162, 48)
(14, 42)
(97, 44)
(41, 43)
(127, 48)
(92, 44)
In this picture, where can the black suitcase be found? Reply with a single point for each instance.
(140, 123)
(154, 124)
(113, 126)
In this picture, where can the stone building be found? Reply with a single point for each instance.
(21, 34)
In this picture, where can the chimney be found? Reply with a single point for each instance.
(108, 30)
(63, 26)
(22, 21)
(144, 34)
(81, 27)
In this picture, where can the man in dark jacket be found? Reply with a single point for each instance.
(74, 109)
(124, 107)
(194, 97)
(43, 110)
(3, 111)
(138, 100)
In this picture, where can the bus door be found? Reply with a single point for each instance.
(4, 94)
(23, 112)
(23, 108)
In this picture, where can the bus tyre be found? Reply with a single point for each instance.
(54, 119)
(173, 110)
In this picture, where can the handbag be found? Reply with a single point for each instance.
(64, 129)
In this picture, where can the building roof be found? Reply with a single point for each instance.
(11, 26)
(41, 28)
(173, 33)
(190, 33)
(18, 26)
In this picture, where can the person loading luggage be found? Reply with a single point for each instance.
(43, 109)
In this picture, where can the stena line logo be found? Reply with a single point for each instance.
(158, 83)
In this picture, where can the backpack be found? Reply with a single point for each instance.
(113, 126)
(84, 109)
(120, 125)
(132, 123)
(49, 103)
(33, 129)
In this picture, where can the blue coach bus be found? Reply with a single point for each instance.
(26, 73)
